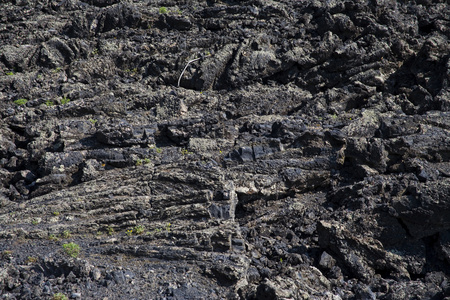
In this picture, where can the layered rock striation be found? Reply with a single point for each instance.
(304, 152)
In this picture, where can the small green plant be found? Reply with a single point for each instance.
(95, 51)
(9, 73)
(185, 152)
(56, 213)
(130, 232)
(110, 230)
(65, 100)
(168, 228)
(139, 229)
(66, 234)
(145, 161)
(72, 249)
(7, 253)
(52, 237)
(56, 70)
(133, 71)
(31, 260)
(159, 150)
(21, 101)
(93, 121)
(163, 10)
(59, 296)
(281, 260)
(35, 221)
(49, 103)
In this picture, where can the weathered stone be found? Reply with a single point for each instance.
(326, 261)
(303, 134)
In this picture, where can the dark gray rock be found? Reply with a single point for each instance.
(327, 262)
(303, 153)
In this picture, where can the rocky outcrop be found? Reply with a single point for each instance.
(224, 150)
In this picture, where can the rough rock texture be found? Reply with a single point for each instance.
(304, 155)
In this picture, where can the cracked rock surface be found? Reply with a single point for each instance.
(304, 152)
